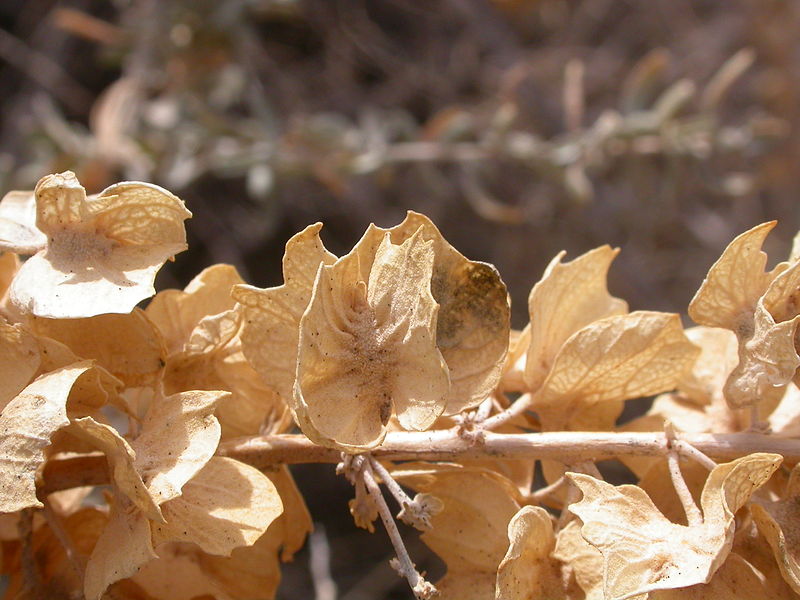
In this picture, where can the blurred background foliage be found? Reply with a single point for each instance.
(522, 127)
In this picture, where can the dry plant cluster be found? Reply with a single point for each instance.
(143, 452)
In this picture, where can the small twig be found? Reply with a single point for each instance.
(588, 467)
(725, 77)
(416, 511)
(73, 556)
(572, 496)
(756, 424)
(574, 97)
(693, 515)
(485, 409)
(543, 494)
(30, 572)
(319, 563)
(686, 449)
(386, 478)
(516, 409)
(402, 564)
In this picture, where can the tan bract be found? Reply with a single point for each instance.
(120, 457)
(736, 579)
(19, 360)
(404, 337)
(26, 426)
(470, 534)
(226, 505)
(179, 436)
(177, 312)
(368, 347)
(583, 561)
(18, 231)
(643, 551)
(127, 345)
(528, 571)
(569, 297)
(472, 323)
(56, 568)
(611, 360)
(729, 294)
(102, 252)
(212, 359)
(474, 315)
(779, 522)
(760, 308)
(272, 316)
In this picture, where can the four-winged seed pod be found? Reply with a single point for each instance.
(400, 349)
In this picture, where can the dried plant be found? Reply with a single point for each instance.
(397, 362)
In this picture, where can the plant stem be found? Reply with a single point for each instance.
(516, 409)
(445, 445)
(693, 515)
(422, 589)
(54, 520)
(394, 488)
(684, 448)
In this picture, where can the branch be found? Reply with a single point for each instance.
(446, 445)
(423, 590)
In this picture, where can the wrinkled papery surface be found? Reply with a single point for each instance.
(26, 426)
(19, 360)
(103, 252)
(18, 231)
(584, 561)
(474, 315)
(569, 297)
(272, 316)
(760, 308)
(58, 577)
(120, 458)
(611, 360)
(472, 324)
(470, 534)
(368, 348)
(644, 551)
(527, 571)
(177, 312)
(127, 345)
(212, 359)
(179, 436)
(734, 283)
(226, 505)
(122, 548)
(779, 522)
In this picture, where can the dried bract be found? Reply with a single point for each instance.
(643, 551)
(569, 297)
(759, 307)
(103, 252)
(368, 348)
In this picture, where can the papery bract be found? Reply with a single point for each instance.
(368, 348)
(103, 252)
(643, 551)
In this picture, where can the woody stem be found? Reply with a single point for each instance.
(394, 488)
(446, 445)
(403, 563)
(693, 515)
